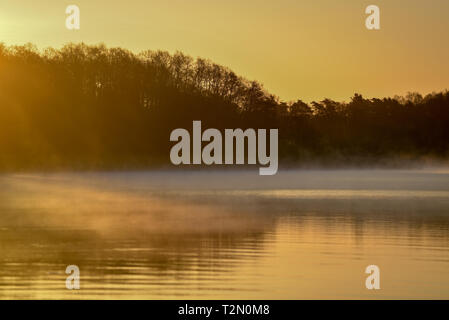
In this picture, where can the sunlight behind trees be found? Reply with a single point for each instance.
(92, 106)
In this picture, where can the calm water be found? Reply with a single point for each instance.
(228, 235)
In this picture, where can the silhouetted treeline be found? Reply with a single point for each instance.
(92, 106)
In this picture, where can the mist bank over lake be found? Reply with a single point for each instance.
(338, 162)
(430, 178)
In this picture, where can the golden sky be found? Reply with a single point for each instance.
(297, 49)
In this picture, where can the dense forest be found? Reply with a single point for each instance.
(97, 107)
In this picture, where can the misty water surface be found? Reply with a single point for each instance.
(228, 235)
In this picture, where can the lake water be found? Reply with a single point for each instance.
(301, 234)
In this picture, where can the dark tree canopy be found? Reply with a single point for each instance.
(97, 107)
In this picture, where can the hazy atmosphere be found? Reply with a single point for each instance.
(224, 150)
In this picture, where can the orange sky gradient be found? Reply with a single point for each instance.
(297, 49)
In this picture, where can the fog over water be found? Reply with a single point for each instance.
(225, 234)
